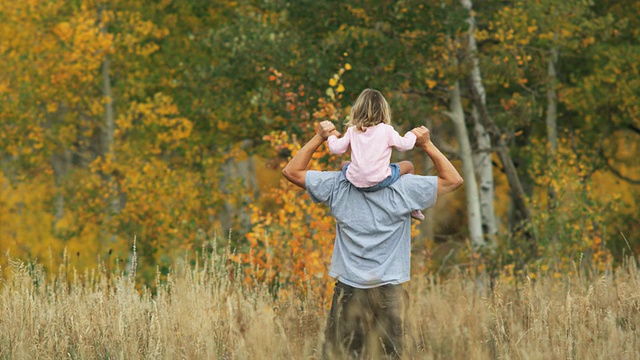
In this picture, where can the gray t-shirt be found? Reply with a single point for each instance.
(373, 229)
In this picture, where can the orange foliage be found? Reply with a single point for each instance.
(293, 243)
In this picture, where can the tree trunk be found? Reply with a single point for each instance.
(456, 114)
(238, 170)
(61, 161)
(109, 122)
(114, 196)
(484, 169)
(517, 191)
(108, 129)
(107, 138)
(482, 157)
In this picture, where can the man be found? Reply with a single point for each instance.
(372, 249)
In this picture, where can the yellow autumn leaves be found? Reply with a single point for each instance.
(335, 82)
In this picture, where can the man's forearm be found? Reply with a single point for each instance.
(295, 170)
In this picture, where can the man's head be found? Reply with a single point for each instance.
(370, 109)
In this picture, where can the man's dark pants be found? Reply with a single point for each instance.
(368, 323)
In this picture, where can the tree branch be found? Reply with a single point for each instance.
(616, 172)
(447, 149)
(634, 128)
(448, 114)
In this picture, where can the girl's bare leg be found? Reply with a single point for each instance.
(406, 167)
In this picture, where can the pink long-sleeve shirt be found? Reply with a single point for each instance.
(370, 152)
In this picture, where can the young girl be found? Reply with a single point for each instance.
(371, 137)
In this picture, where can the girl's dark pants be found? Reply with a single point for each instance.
(366, 323)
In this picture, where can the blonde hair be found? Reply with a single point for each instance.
(370, 109)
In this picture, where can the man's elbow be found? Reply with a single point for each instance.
(451, 184)
(457, 182)
(294, 177)
(287, 173)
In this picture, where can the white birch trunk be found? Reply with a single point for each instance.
(482, 158)
(456, 114)
(108, 133)
(484, 169)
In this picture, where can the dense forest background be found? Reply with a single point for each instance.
(165, 123)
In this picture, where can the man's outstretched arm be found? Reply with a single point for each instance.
(296, 169)
(448, 177)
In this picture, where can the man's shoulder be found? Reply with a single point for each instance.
(321, 184)
(420, 190)
(323, 175)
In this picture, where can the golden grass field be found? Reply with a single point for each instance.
(198, 313)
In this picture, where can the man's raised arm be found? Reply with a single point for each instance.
(296, 169)
(448, 177)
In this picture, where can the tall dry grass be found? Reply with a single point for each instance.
(199, 313)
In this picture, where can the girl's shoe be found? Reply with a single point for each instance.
(417, 214)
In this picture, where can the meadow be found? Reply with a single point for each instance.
(200, 311)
